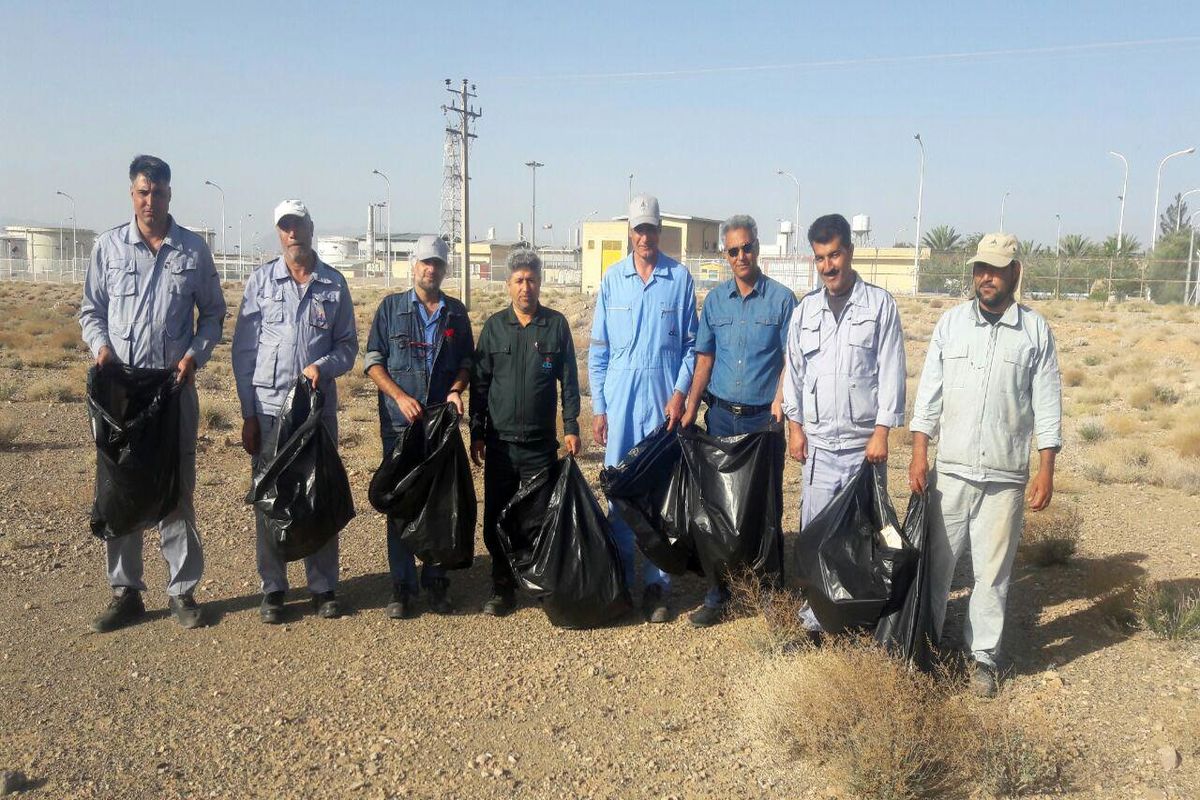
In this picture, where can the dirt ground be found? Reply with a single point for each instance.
(475, 707)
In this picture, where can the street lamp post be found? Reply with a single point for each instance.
(1121, 217)
(74, 238)
(388, 281)
(241, 253)
(579, 229)
(795, 230)
(224, 246)
(1188, 284)
(629, 196)
(1158, 187)
(896, 241)
(1179, 211)
(1057, 259)
(920, 196)
(533, 167)
(1003, 200)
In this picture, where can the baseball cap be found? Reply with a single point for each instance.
(996, 249)
(643, 210)
(293, 208)
(430, 246)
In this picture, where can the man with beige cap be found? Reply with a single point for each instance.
(990, 384)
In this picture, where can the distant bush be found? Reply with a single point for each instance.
(1091, 431)
(213, 417)
(1051, 536)
(1168, 611)
(10, 429)
(1073, 376)
(58, 390)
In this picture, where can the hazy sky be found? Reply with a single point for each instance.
(703, 102)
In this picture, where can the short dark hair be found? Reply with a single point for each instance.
(154, 168)
(825, 229)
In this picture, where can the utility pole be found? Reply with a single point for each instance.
(920, 197)
(466, 115)
(533, 167)
(388, 282)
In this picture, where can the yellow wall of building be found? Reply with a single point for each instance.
(605, 242)
(889, 268)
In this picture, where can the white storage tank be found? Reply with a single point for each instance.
(860, 225)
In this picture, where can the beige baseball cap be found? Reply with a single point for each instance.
(996, 249)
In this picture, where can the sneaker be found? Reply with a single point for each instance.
(271, 610)
(326, 605)
(501, 603)
(654, 604)
(439, 600)
(125, 608)
(401, 606)
(186, 612)
(706, 616)
(983, 680)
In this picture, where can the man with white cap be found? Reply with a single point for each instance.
(296, 318)
(990, 383)
(640, 364)
(420, 351)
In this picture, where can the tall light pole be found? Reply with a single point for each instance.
(1158, 187)
(796, 230)
(920, 195)
(388, 281)
(1121, 217)
(74, 231)
(241, 252)
(224, 247)
(629, 196)
(1188, 285)
(1179, 211)
(1057, 260)
(1003, 200)
(533, 167)
(579, 228)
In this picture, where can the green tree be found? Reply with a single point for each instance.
(1074, 245)
(1166, 268)
(941, 239)
(1130, 246)
(1175, 217)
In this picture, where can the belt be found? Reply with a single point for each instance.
(737, 409)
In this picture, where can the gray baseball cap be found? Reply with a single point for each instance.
(430, 246)
(643, 210)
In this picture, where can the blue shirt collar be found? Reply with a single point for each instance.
(280, 272)
(661, 270)
(760, 286)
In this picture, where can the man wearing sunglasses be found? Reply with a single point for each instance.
(844, 383)
(739, 361)
(640, 364)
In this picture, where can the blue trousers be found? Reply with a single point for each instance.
(401, 562)
(722, 422)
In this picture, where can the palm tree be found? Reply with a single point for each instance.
(1075, 246)
(1129, 246)
(941, 239)
(1029, 248)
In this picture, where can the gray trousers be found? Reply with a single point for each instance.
(988, 516)
(179, 541)
(321, 568)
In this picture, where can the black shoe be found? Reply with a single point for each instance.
(186, 612)
(125, 608)
(326, 605)
(271, 610)
(439, 600)
(984, 682)
(401, 606)
(654, 604)
(501, 603)
(706, 616)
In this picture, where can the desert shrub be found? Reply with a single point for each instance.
(1166, 395)
(1073, 376)
(1168, 611)
(1140, 396)
(1186, 442)
(54, 389)
(1014, 757)
(1121, 424)
(1051, 536)
(213, 417)
(10, 429)
(8, 389)
(1091, 360)
(778, 610)
(1091, 431)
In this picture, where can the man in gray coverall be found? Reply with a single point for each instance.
(145, 280)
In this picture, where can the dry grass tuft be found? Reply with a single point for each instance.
(1073, 376)
(1051, 536)
(213, 417)
(10, 429)
(1121, 424)
(54, 389)
(1168, 611)
(778, 610)
(1091, 431)
(1186, 441)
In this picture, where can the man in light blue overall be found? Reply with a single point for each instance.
(419, 352)
(739, 361)
(296, 318)
(640, 364)
(844, 385)
(144, 282)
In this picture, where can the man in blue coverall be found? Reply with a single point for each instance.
(419, 352)
(640, 364)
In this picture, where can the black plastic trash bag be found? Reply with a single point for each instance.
(301, 490)
(908, 630)
(425, 485)
(733, 501)
(134, 414)
(643, 487)
(561, 547)
(850, 575)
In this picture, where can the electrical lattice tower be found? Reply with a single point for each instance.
(451, 208)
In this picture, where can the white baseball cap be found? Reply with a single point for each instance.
(430, 246)
(293, 208)
(643, 210)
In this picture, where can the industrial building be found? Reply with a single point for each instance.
(39, 252)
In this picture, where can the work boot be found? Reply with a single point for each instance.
(186, 612)
(984, 682)
(501, 603)
(654, 604)
(326, 605)
(706, 616)
(401, 606)
(439, 600)
(125, 608)
(271, 610)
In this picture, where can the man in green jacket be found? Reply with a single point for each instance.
(523, 353)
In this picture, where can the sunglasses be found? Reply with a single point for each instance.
(748, 249)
